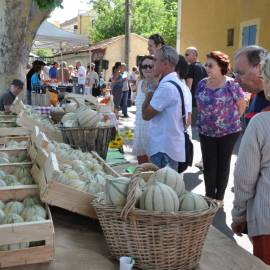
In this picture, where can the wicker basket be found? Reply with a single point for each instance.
(161, 241)
(89, 139)
(57, 116)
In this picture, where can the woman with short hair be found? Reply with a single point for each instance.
(155, 41)
(220, 103)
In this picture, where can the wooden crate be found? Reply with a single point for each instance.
(14, 153)
(24, 233)
(11, 192)
(5, 140)
(28, 123)
(15, 131)
(58, 194)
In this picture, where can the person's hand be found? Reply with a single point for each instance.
(239, 227)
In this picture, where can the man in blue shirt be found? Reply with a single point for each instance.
(53, 71)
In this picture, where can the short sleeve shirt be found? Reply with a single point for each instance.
(196, 72)
(217, 109)
(166, 131)
(6, 100)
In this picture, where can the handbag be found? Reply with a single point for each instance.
(182, 166)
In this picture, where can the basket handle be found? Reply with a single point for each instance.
(131, 199)
(71, 98)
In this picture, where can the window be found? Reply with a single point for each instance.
(249, 35)
(75, 27)
(230, 37)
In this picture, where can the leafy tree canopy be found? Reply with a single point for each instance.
(48, 4)
(43, 52)
(148, 17)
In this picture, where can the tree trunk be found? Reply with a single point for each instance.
(19, 22)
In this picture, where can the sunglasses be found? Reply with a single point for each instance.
(147, 66)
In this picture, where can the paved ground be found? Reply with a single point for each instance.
(193, 178)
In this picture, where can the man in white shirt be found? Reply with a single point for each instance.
(93, 80)
(81, 76)
(163, 108)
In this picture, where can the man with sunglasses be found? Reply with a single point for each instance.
(248, 74)
(163, 108)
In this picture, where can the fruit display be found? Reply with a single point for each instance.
(19, 157)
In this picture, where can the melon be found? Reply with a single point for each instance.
(31, 201)
(4, 160)
(87, 117)
(2, 183)
(159, 197)
(12, 218)
(2, 174)
(22, 172)
(77, 184)
(116, 191)
(34, 218)
(10, 179)
(190, 201)
(2, 215)
(13, 207)
(2, 205)
(35, 210)
(27, 181)
(169, 177)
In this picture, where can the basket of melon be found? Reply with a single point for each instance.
(154, 219)
(87, 130)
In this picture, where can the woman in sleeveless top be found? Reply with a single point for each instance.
(147, 83)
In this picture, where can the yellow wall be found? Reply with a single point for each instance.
(116, 51)
(205, 24)
(84, 24)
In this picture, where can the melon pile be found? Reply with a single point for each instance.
(84, 174)
(163, 192)
(20, 157)
(12, 144)
(19, 176)
(81, 117)
(29, 210)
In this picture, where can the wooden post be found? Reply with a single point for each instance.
(127, 32)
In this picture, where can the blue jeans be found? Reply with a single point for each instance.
(162, 160)
(124, 102)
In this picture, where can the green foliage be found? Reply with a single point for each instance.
(48, 4)
(148, 17)
(43, 52)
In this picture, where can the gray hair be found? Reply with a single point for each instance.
(170, 54)
(193, 49)
(265, 67)
(255, 54)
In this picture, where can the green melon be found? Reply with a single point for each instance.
(190, 201)
(159, 197)
(169, 177)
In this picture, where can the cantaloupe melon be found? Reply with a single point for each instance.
(159, 197)
(169, 177)
(190, 201)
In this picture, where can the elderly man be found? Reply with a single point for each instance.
(163, 109)
(8, 97)
(248, 75)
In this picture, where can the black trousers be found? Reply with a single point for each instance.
(216, 155)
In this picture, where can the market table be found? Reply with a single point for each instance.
(80, 245)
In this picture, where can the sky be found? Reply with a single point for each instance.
(70, 10)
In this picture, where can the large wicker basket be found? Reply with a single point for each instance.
(160, 241)
(89, 139)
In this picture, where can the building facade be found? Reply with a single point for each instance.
(107, 52)
(224, 25)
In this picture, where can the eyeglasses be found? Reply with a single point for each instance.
(147, 66)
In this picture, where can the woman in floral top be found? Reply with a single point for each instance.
(220, 103)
